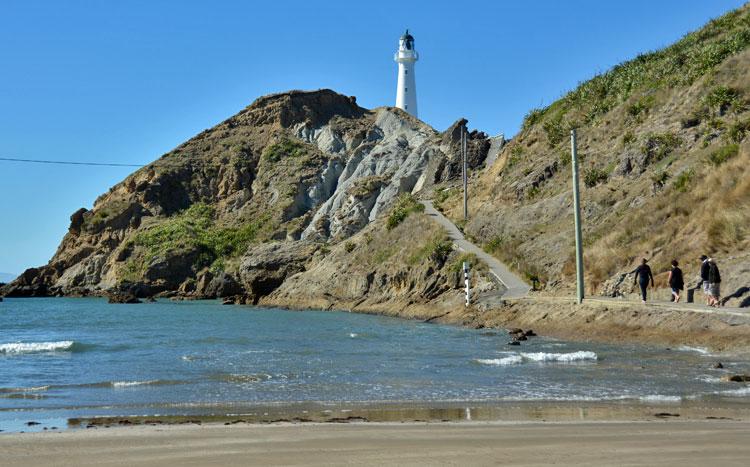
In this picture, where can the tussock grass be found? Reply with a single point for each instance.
(405, 204)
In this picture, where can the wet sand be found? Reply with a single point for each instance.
(661, 442)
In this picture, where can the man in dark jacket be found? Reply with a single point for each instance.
(714, 283)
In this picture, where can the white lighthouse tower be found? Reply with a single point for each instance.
(406, 94)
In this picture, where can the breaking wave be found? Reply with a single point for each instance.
(128, 384)
(515, 359)
(700, 350)
(512, 360)
(34, 347)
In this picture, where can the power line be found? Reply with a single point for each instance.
(38, 161)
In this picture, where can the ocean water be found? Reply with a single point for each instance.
(64, 357)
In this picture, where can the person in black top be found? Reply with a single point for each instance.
(676, 282)
(643, 276)
(704, 278)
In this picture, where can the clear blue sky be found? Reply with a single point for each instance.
(126, 81)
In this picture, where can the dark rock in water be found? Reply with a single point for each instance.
(514, 343)
(515, 331)
(530, 333)
(32, 423)
(267, 266)
(521, 337)
(120, 297)
(718, 365)
(210, 285)
(150, 299)
(736, 378)
(1, 299)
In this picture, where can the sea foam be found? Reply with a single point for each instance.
(32, 347)
(511, 360)
(659, 398)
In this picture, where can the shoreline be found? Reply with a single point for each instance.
(431, 412)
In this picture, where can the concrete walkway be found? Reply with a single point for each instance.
(513, 285)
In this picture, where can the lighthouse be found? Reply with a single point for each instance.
(406, 94)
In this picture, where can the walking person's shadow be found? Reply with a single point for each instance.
(738, 294)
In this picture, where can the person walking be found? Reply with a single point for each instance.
(704, 278)
(642, 277)
(714, 283)
(676, 281)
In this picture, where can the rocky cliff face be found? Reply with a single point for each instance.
(241, 207)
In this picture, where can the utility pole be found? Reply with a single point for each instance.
(465, 172)
(577, 218)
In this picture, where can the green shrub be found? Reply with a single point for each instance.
(284, 148)
(442, 196)
(516, 152)
(532, 118)
(349, 247)
(554, 129)
(194, 230)
(640, 107)
(565, 158)
(493, 245)
(682, 182)
(593, 177)
(738, 130)
(628, 138)
(404, 205)
(721, 99)
(657, 146)
(660, 178)
(723, 154)
(475, 264)
(437, 250)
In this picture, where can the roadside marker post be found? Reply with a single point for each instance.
(577, 218)
(466, 283)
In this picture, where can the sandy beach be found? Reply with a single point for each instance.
(683, 443)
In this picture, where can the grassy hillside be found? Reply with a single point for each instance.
(663, 140)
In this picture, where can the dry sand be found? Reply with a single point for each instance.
(683, 443)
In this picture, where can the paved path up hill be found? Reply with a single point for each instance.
(513, 286)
